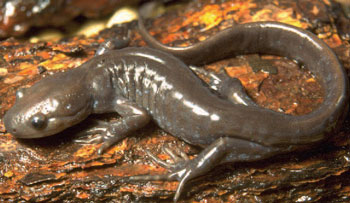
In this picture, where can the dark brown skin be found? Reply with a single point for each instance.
(142, 84)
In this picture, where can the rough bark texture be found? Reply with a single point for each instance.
(57, 169)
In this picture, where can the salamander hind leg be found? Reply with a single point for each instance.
(228, 87)
(225, 149)
(233, 90)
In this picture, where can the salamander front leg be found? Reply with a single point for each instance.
(225, 149)
(132, 118)
(112, 44)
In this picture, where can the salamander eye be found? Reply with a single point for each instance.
(38, 121)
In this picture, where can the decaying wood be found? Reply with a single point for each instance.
(56, 168)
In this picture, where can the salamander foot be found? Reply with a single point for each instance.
(132, 118)
(93, 134)
(222, 150)
(229, 88)
(180, 170)
(178, 161)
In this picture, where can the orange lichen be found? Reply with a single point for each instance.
(82, 195)
(85, 151)
(274, 13)
(311, 80)
(210, 16)
(13, 79)
(119, 147)
(43, 54)
(28, 69)
(8, 174)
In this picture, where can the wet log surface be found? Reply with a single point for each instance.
(56, 168)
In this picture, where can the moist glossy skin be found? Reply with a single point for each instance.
(143, 84)
(283, 40)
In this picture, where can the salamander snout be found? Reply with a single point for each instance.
(9, 124)
(22, 125)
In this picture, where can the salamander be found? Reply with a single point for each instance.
(143, 84)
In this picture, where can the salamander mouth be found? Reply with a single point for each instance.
(23, 128)
(26, 131)
(29, 134)
(13, 131)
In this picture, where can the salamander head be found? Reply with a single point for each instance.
(46, 108)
